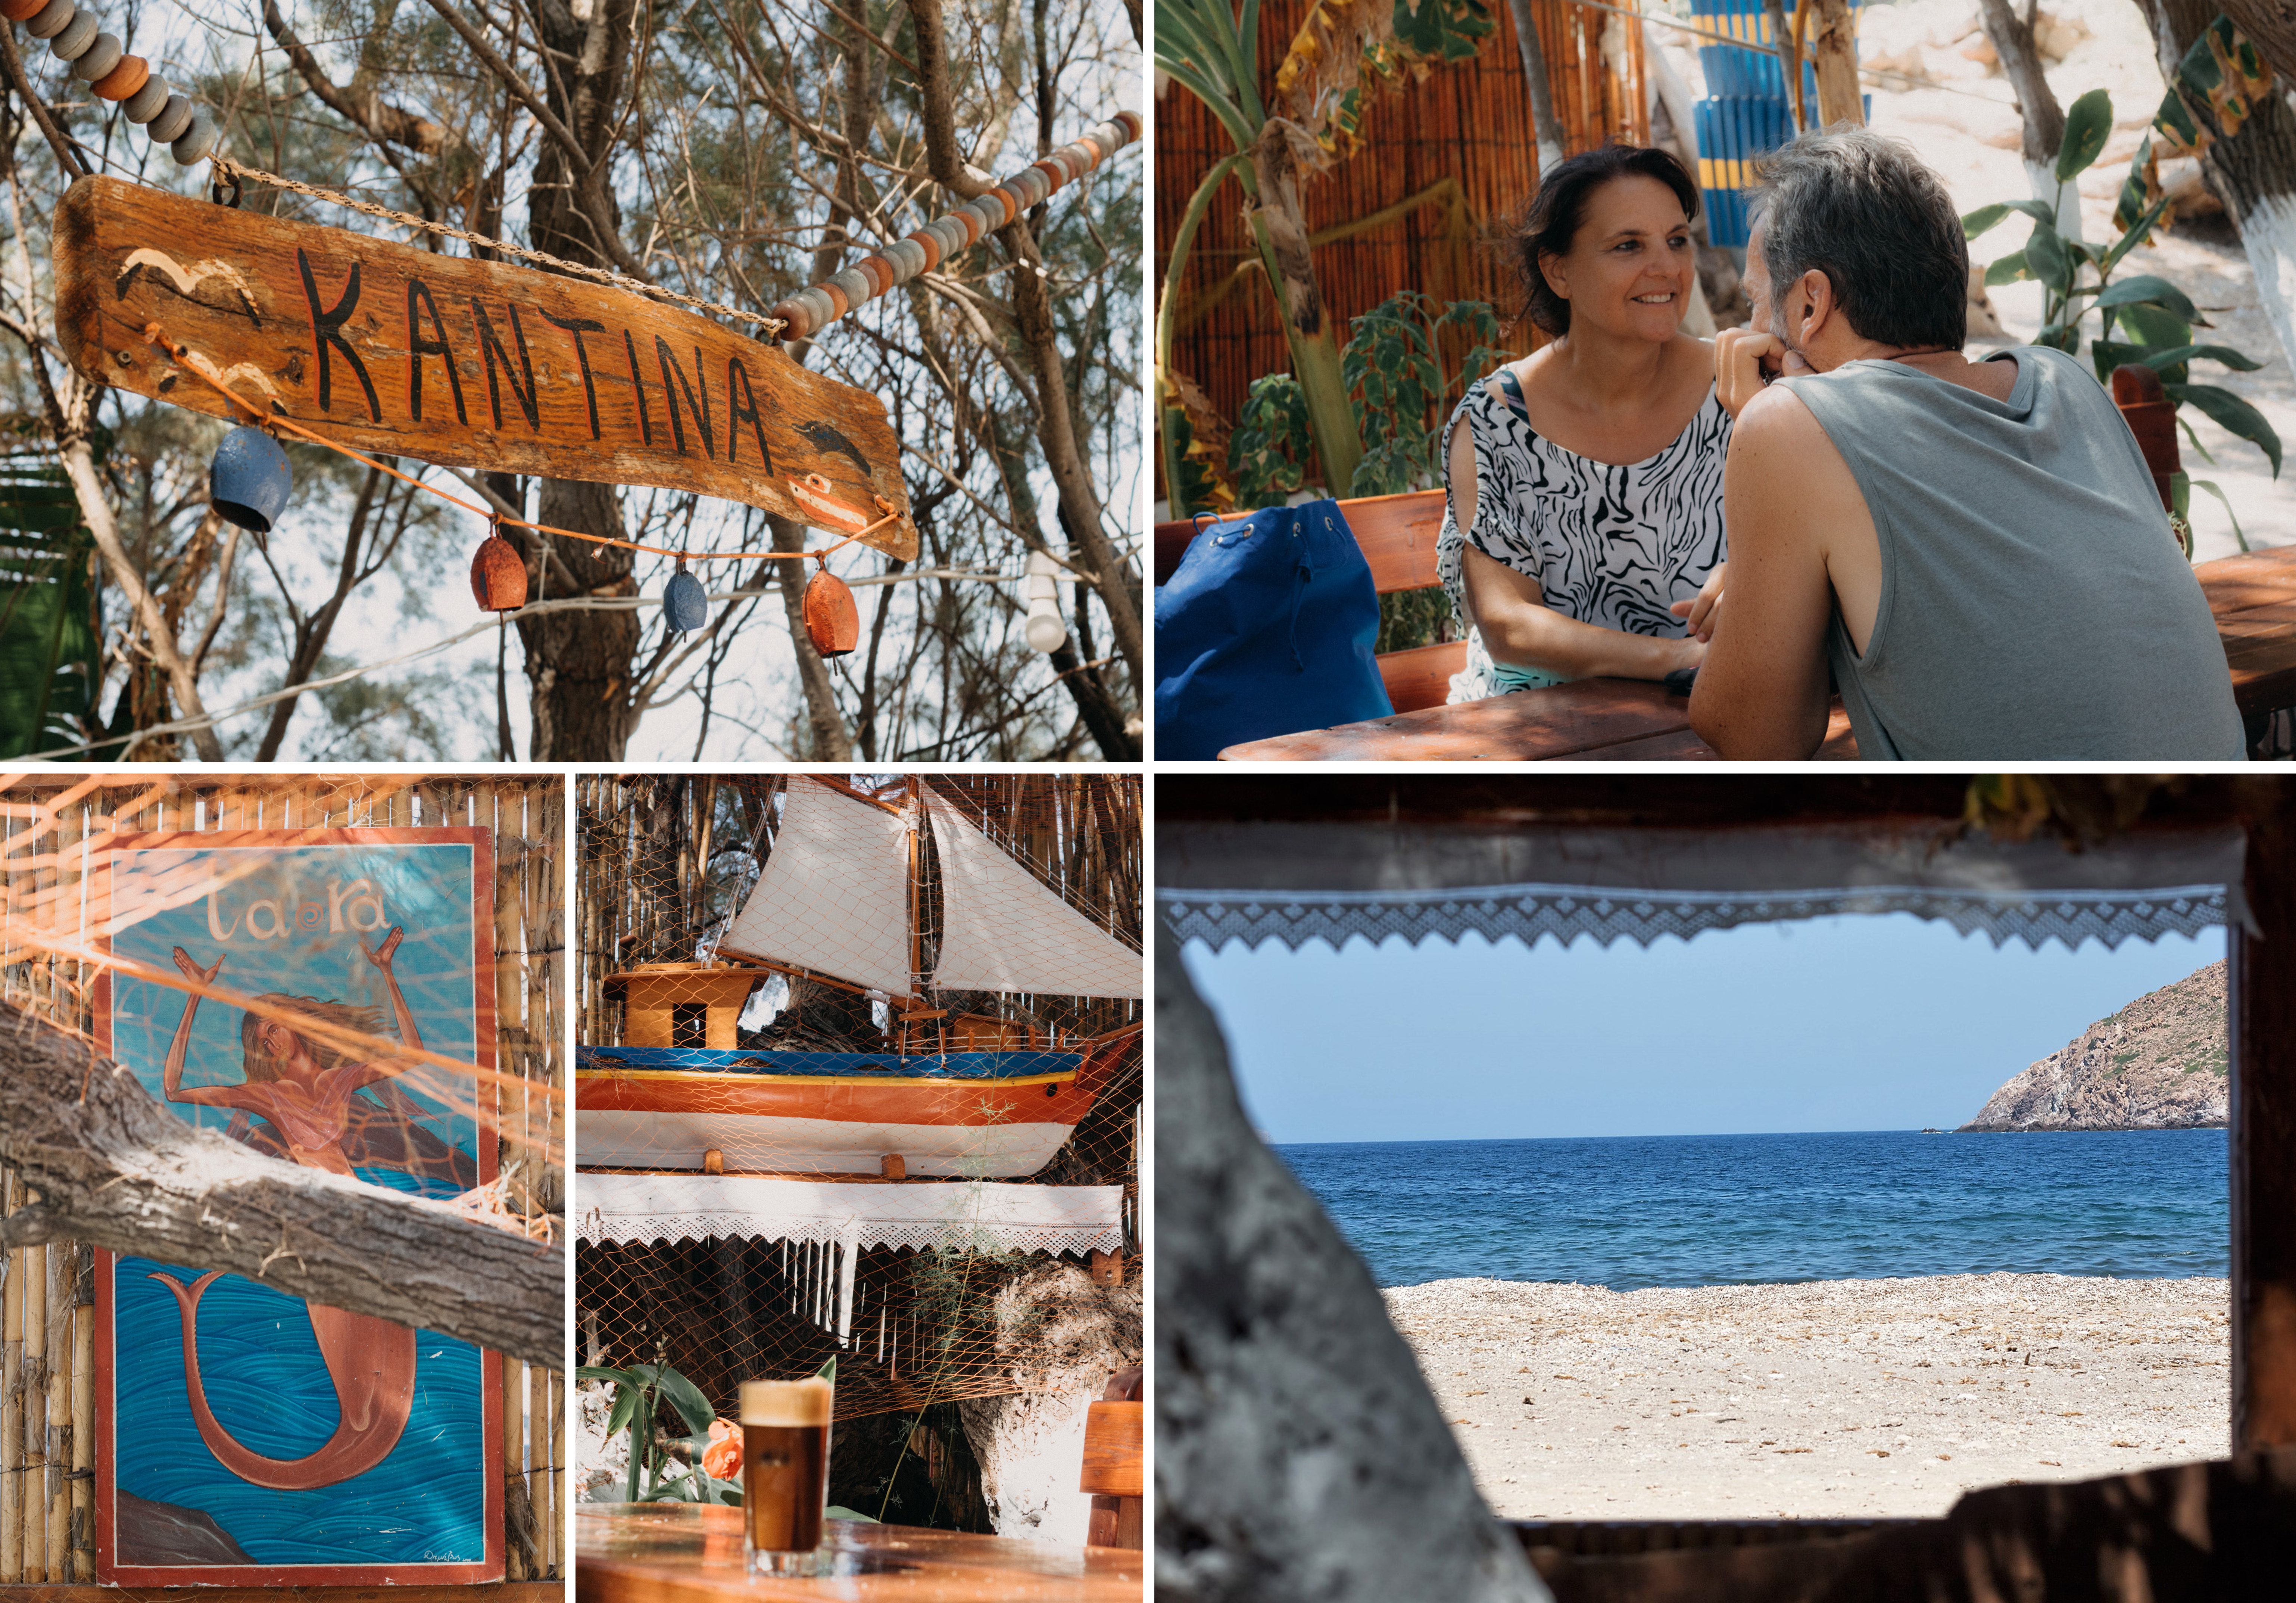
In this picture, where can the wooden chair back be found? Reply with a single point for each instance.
(2152, 417)
(1115, 1460)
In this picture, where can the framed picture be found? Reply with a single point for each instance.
(245, 1437)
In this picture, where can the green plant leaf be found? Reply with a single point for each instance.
(828, 1370)
(2134, 235)
(2233, 414)
(2088, 121)
(2147, 289)
(602, 1372)
(683, 1396)
(2009, 270)
(2193, 440)
(626, 1405)
(2047, 259)
(2153, 328)
(839, 1511)
(2178, 355)
(2217, 492)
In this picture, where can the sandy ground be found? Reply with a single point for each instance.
(1839, 1398)
(1962, 119)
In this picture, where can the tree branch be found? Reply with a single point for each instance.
(113, 1166)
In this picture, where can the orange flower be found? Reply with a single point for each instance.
(722, 1457)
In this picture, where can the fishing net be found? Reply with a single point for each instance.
(912, 1143)
(200, 927)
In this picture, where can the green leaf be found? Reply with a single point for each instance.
(2134, 235)
(2046, 258)
(1983, 219)
(2147, 289)
(2216, 491)
(828, 1370)
(2009, 270)
(839, 1511)
(2088, 120)
(2178, 355)
(626, 1405)
(2153, 328)
(2233, 414)
(601, 1372)
(2193, 440)
(683, 1396)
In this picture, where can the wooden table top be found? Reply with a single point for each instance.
(2253, 596)
(689, 1553)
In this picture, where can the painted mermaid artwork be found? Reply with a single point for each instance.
(308, 1093)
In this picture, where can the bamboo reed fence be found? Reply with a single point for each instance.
(1445, 162)
(47, 1398)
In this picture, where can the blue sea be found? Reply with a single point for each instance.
(1632, 1211)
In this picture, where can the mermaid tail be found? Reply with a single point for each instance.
(369, 1361)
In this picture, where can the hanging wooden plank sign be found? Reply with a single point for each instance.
(466, 364)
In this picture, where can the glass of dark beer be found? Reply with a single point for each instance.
(785, 1473)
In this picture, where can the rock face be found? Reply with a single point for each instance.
(2158, 1063)
(163, 1535)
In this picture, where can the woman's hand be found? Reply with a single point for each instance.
(1702, 611)
(1746, 361)
(193, 971)
(380, 956)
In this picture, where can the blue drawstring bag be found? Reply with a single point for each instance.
(1265, 629)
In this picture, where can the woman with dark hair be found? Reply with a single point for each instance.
(1584, 534)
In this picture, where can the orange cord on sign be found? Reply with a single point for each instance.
(198, 366)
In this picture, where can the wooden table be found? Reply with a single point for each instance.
(687, 1553)
(1633, 720)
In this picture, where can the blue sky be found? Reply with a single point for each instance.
(1840, 1024)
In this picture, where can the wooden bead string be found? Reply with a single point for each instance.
(100, 60)
(810, 310)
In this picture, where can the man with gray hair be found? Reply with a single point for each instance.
(1975, 548)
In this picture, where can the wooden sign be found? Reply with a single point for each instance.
(469, 363)
(245, 1437)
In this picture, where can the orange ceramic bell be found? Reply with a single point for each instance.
(498, 575)
(832, 621)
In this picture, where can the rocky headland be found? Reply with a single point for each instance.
(2158, 1064)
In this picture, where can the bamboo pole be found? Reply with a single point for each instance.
(83, 1455)
(537, 1479)
(513, 1415)
(63, 1263)
(12, 1404)
(32, 1266)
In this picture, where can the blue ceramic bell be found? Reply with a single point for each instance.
(685, 605)
(248, 481)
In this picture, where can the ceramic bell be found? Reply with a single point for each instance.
(498, 575)
(832, 621)
(248, 481)
(684, 605)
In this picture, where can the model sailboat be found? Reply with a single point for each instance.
(838, 903)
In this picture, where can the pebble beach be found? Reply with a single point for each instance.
(1833, 1399)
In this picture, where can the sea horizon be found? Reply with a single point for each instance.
(1782, 1208)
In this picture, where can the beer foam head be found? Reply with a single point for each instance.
(787, 1403)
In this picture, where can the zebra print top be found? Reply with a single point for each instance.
(1609, 544)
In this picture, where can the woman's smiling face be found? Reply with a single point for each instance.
(1629, 266)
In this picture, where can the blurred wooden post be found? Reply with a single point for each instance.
(2262, 1010)
(1833, 56)
(11, 1406)
(32, 1268)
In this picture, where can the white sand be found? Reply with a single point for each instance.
(1834, 1399)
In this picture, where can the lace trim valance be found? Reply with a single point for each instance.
(1294, 883)
(983, 1214)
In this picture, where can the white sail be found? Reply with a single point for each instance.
(834, 896)
(1003, 930)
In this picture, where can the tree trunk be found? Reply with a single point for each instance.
(1298, 1453)
(1281, 230)
(2254, 170)
(1834, 58)
(112, 1166)
(831, 741)
(580, 664)
(1543, 125)
(2036, 104)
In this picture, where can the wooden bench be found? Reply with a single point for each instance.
(1397, 535)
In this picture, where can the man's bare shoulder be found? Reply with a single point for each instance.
(1776, 417)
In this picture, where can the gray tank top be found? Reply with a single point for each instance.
(2033, 603)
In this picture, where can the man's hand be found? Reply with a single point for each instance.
(1703, 611)
(1746, 362)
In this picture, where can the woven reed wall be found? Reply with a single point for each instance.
(47, 1396)
(1469, 121)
